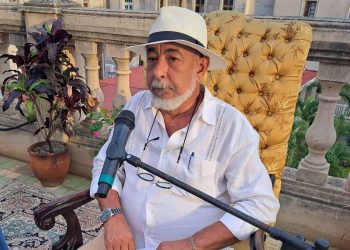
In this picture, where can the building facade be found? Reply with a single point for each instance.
(309, 8)
(339, 9)
(312, 8)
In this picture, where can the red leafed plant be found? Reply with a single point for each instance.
(45, 74)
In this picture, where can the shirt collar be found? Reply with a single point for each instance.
(207, 109)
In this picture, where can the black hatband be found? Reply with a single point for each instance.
(172, 35)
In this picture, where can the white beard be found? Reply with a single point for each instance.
(172, 103)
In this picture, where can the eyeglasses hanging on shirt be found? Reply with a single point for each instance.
(145, 175)
(149, 177)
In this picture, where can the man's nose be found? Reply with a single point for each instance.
(161, 68)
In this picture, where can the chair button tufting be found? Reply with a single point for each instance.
(251, 74)
(217, 32)
(269, 57)
(223, 51)
(216, 87)
(269, 113)
(239, 35)
(262, 40)
(261, 93)
(230, 71)
(286, 40)
(277, 77)
(239, 90)
(245, 54)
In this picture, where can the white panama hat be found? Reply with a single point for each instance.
(183, 26)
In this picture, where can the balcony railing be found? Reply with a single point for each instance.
(343, 109)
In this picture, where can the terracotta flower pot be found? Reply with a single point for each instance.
(50, 169)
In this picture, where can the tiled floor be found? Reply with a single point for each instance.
(14, 169)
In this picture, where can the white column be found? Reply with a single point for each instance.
(121, 57)
(4, 49)
(89, 52)
(193, 5)
(122, 4)
(221, 5)
(321, 135)
(250, 7)
(205, 6)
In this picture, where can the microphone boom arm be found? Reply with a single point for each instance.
(292, 241)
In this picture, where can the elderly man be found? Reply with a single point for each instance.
(183, 130)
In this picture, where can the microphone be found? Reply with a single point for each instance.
(115, 154)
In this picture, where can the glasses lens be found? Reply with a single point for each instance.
(164, 184)
(146, 176)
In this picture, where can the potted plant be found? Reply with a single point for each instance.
(47, 88)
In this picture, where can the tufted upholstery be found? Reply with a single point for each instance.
(265, 61)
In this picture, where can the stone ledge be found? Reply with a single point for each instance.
(315, 211)
(81, 137)
(9, 6)
(114, 13)
(332, 194)
(52, 3)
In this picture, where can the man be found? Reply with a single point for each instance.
(181, 129)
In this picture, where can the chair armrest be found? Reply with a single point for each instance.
(44, 217)
(256, 240)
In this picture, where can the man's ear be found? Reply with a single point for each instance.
(203, 64)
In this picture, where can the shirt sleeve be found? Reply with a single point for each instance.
(249, 187)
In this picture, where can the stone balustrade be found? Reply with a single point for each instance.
(98, 31)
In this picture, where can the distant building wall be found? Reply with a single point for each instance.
(239, 5)
(212, 6)
(114, 4)
(149, 5)
(324, 8)
(264, 7)
(334, 8)
(287, 8)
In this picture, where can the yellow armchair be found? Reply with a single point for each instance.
(265, 61)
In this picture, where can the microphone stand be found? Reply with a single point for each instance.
(290, 242)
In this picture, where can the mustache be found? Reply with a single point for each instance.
(164, 84)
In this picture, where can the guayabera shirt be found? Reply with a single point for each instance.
(220, 157)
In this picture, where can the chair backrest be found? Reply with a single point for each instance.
(265, 62)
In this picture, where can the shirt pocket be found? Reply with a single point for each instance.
(199, 173)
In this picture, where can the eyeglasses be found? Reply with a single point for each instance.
(148, 176)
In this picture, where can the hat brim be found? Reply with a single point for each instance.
(216, 62)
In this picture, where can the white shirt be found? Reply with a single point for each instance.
(225, 164)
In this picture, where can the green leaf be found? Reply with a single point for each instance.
(16, 86)
(33, 52)
(47, 27)
(30, 109)
(37, 83)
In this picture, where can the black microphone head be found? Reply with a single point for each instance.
(126, 117)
